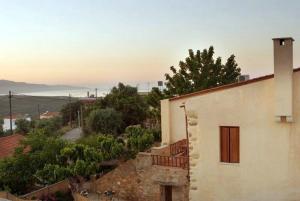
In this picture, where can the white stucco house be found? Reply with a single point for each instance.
(243, 138)
(6, 121)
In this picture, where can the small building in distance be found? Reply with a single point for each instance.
(15, 117)
(49, 115)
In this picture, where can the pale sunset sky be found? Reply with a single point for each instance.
(89, 42)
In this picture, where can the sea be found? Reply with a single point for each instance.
(80, 93)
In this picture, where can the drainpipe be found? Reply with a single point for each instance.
(187, 139)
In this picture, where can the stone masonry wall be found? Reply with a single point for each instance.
(139, 180)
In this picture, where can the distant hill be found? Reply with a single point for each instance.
(23, 87)
(29, 104)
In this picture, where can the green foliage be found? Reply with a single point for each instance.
(1, 126)
(50, 127)
(201, 71)
(106, 121)
(62, 196)
(127, 101)
(139, 139)
(52, 173)
(51, 159)
(16, 173)
(108, 146)
(154, 97)
(70, 109)
(23, 126)
(156, 134)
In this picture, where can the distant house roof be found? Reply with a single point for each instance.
(48, 114)
(88, 100)
(16, 116)
(8, 144)
(228, 86)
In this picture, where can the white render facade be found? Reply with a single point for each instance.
(269, 136)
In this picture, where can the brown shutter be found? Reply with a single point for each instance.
(224, 144)
(234, 146)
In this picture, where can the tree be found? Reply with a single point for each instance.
(139, 139)
(52, 173)
(153, 100)
(49, 126)
(125, 99)
(105, 121)
(23, 126)
(70, 109)
(201, 71)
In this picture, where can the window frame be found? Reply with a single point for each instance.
(228, 142)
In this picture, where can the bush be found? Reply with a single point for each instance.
(139, 139)
(108, 146)
(105, 121)
(50, 127)
(23, 126)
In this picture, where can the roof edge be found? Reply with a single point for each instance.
(227, 86)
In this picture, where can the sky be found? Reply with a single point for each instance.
(91, 42)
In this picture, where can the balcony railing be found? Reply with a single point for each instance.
(170, 161)
(179, 147)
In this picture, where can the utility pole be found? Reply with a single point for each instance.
(96, 95)
(39, 113)
(81, 117)
(70, 118)
(187, 139)
(78, 117)
(10, 112)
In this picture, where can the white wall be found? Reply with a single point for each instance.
(6, 124)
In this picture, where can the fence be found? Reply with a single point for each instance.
(171, 161)
(179, 147)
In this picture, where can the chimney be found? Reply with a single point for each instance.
(283, 76)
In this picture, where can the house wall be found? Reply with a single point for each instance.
(6, 124)
(172, 121)
(269, 168)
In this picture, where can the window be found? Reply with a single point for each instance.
(282, 42)
(230, 144)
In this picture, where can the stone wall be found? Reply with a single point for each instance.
(11, 197)
(139, 180)
(62, 186)
(78, 197)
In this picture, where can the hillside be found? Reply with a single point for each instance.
(29, 104)
(23, 87)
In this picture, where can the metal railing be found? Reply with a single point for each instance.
(179, 147)
(170, 161)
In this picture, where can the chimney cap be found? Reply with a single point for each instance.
(284, 38)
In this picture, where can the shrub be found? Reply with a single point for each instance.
(50, 126)
(23, 126)
(106, 121)
(139, 139)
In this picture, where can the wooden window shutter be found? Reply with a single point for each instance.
(234, 145)
(224, 144)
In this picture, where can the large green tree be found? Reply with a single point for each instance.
(153, 100)
(70, 112)
(105, 121)
(126, 100)
(201, 71)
